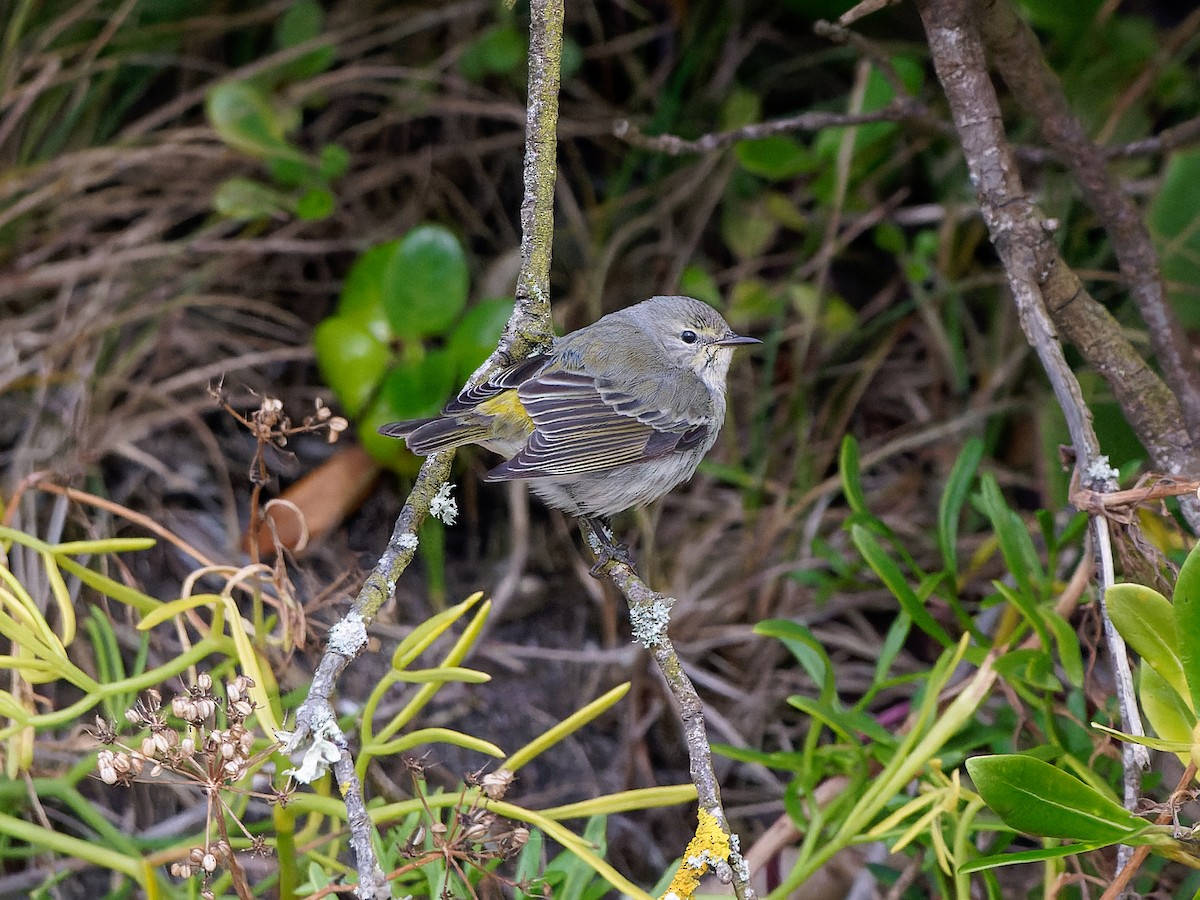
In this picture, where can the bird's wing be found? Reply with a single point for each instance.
(504, 380)
(584, 424)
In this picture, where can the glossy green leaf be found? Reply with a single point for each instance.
(420, 387)
(476, 335)
(1145, 619)
(1033, 797)
(362, 291)
(1166, 711)
(1186, 603)
(351, 359)
(425, 283)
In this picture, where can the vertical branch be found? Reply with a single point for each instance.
(529, 327)
(1020, 235)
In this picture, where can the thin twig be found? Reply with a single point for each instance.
(650, 612)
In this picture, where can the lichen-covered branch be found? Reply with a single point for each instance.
(530, 327)
(649, 612)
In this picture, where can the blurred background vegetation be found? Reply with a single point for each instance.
(320, 201)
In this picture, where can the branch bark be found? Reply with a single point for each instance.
(1035, 273)
(530, 328)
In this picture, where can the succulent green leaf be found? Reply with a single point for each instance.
(362, 292)
(425, 283)
(351, 359)
(245, 120)
(1146, 620)
(476, 336)
(420, 387)
(1186, 603)
(1165, 710)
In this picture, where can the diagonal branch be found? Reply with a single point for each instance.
(1031, 262)
(1013, 48)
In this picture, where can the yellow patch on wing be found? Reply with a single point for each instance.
(505, 407)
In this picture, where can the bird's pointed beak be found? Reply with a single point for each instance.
(736, 340)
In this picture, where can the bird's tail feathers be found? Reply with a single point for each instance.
(425, 436)
(402, 429)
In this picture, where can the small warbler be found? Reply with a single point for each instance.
(613, 416)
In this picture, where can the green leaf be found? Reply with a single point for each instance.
(1166, 711)
(1173, 219)
(245, 120)
(476, 336)
(954, 496)
(425, 283)
(1016, 546)
(848, 466)
(1146, 620)
(1034, 797)
(809, 651)
(315, 204)
(420, 387)
(362, 292)
(303, 21)
(500, 50)
(351, 359)
(247, 200)
(1186, 602)
(333, 161)
(893, 579)
(776, 157)
(1026, 856)
(1034, 667)
(696, 282)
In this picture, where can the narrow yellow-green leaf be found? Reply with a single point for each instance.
(624, 801)
(429, 631)
(69, 847)
(434, 736)
(163, 612)
(567, 726)
(122, 593)
(441, 674)
(62, 597)
(249, 664)
(103, 546)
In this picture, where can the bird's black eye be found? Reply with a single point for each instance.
(688, 337)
